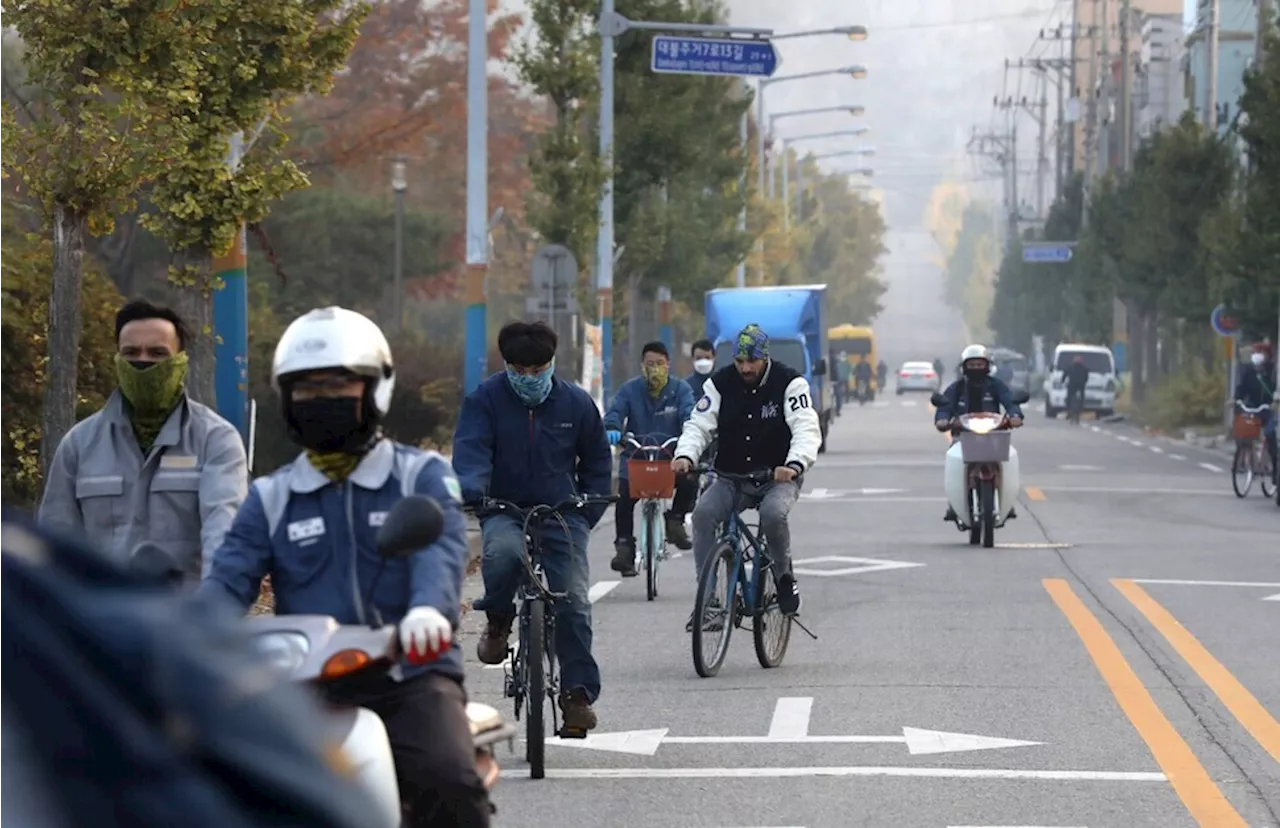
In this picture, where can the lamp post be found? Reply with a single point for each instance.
(855, 111)
(786, 184)
(856, 72)
(399, 185)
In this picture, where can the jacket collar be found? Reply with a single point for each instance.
(116, 412)
(372, 473)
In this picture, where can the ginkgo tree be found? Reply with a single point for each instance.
(259, 56)
(107, 79)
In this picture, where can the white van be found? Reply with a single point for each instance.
(1099, 394)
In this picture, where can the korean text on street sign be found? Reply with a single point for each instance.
(1047, 252)
(710, 56)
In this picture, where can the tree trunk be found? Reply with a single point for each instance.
(1137, 362)
(1152, 348)
(63, 342)
(193, 300)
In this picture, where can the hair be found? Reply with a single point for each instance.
(140, 309)
(655, 348)
(526, 344)
(702, 345)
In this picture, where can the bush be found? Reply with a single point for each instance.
(1191, 398)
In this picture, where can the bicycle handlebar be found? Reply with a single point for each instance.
(1246, 409)
(631, 441)
(757, 477)
(492, 505)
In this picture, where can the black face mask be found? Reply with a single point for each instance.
(977, 377)
(329, 424)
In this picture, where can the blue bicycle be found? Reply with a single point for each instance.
(737, 583)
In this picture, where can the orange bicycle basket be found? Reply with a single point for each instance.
(650, 478)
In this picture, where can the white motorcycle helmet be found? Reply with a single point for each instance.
(976, 352)
(336, 338)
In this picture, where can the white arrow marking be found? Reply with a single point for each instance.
(791, 717)
(1275, 597)
(855, 770)
(822, 494)
(881, 491)
(804, 566)
(919, 742)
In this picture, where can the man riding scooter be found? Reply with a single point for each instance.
(976, 390)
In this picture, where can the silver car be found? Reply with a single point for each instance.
(917, 376)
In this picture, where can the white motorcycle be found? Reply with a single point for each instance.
(318, 650)
(981, 473)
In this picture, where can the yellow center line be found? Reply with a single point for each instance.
(1190, 781)
(1234, 696)
(1033, 493)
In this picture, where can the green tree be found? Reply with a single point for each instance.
(677, 167)
(255, 57)
(560, 61)
(108, 79)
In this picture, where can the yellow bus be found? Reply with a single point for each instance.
(855, 341)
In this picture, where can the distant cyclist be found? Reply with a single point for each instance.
(1077, 375)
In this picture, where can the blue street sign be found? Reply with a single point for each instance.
(674, 55)
(1047, 252)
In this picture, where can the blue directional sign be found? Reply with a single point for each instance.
(1047, 252)
(673, 55)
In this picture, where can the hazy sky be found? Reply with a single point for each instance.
(933, 69)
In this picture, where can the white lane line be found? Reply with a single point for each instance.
(857, 770)
(1174, 582)
(791, 718)
(1156, 449)
(598, 590)
(1116, 490)
(1210, 467)
(1094, 428)
(1017, 826)
(1176, 457)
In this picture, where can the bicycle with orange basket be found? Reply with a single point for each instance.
(1252, 456)
(653, 484)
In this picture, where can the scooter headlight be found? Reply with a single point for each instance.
(286, 652)
(982, 425)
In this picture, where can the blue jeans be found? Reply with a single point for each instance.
(502, 566)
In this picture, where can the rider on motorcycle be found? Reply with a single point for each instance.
(312, 526)
(976, 390)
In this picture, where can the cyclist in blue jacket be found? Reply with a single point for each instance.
(653, 405)
(532, 439)
(312, 526)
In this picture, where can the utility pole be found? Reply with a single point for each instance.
(1104, 93)
(1091, 126)
(1038, 110)
(1002, 149)
(1211, 90)
(1126, 88)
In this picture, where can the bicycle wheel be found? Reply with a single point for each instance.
(716, 586)
(536, 682)
(987, 508)
(1242, 467)
(1266, 475)
(652, 531)
(770, 629)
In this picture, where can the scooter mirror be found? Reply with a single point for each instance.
(413, 524)
(1021, 397)
(937, 399)
(154, 564)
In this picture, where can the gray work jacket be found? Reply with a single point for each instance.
(182, 496)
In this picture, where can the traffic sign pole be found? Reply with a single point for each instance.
(611, 26)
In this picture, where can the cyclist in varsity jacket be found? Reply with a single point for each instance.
(762, 414)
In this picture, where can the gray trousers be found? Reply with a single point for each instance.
(773, 500)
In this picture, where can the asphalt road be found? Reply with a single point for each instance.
(1060, 638)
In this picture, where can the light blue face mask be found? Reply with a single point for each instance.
(532, 389)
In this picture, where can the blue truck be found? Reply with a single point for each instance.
(794, 316)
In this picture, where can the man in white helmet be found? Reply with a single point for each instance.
(312, 526)
(978, 389)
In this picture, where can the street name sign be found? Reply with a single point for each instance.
(1047, 252)
(675, 55)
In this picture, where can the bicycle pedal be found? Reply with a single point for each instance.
(572, 733)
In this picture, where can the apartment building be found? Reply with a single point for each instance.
(1237, 45)
(1097, 30)
(1159, 85)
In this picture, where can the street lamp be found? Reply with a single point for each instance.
(853, 33)
(399, 184)
(855, 111)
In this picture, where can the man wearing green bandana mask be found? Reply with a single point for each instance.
(153, 466)
(653, 406)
